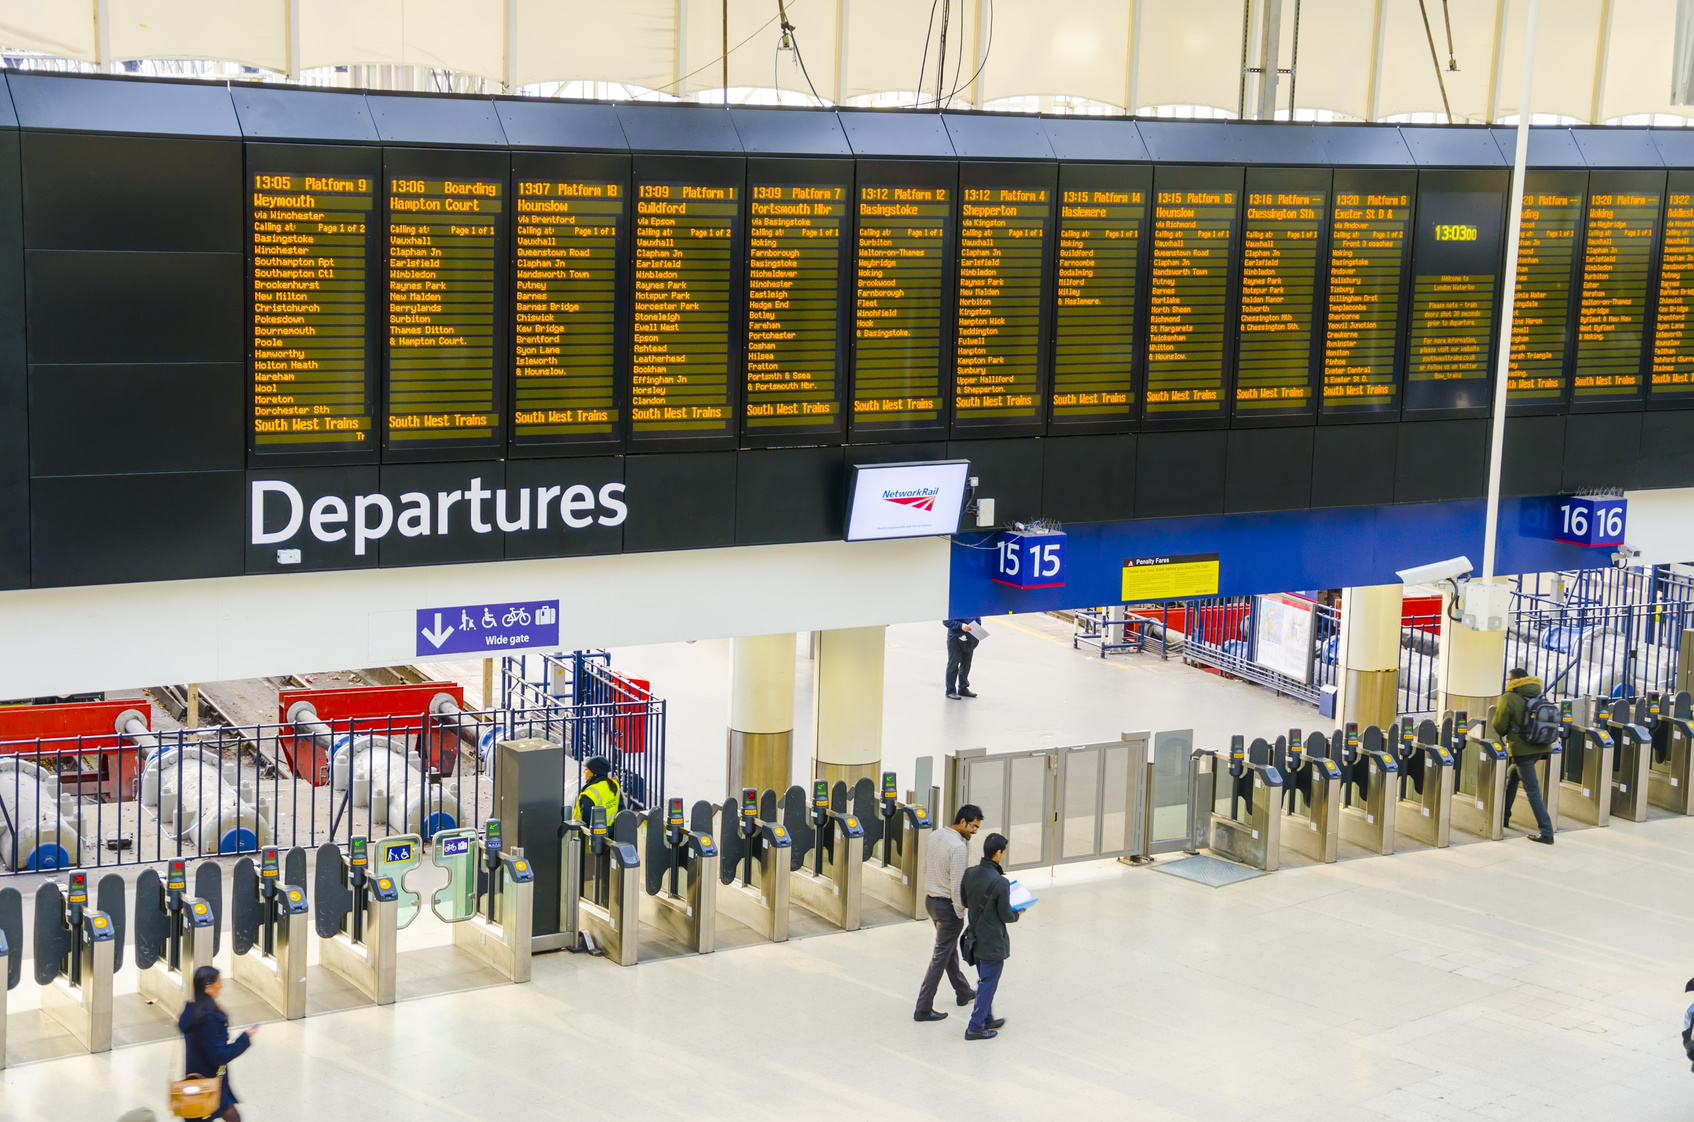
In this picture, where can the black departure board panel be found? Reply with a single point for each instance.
(1542, 306)
(569, 236)
(1102, 221)
(1000, 363)
(1619, 244)
(902, 291)
(1282, 239)
(685, 370)
(1189, 329)
(1672, 377)
(313, 236)
(447, 258)
(1369, 246)
(797, 246)
(1455, 292)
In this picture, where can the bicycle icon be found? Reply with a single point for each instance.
(516, 617)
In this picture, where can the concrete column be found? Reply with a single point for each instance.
(761, 712)
(847, 704)
(1473, 665)
(1370, 655)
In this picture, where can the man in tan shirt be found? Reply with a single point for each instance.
(943, 870)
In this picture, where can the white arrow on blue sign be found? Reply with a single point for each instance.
(487, 628)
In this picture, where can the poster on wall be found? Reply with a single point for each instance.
(1282, 639)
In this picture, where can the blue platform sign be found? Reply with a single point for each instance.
(1026, 560)
(487, 628)
(1593, 522)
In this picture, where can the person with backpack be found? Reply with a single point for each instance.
(1529, 724)
(1688, 1026)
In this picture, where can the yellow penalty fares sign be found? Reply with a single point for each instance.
(1169, 577)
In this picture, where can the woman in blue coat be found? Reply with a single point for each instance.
(205, 1029)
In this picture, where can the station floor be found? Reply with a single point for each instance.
(1490, 980)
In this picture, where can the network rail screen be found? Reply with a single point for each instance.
(412, 304)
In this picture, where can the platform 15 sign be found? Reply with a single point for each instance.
(1590, 521)
(1030, 560)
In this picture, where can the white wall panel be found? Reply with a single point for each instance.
(1335, 37)
(1638, 66)
(1080, 49)
(885, 45)
(631, 41)
(1190, 53)
(338, 32)
(463, 35)
(253, 32)
(127, 636)
(1566, 49)
(57, 29)
(1408, 73)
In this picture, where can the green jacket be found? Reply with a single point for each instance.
(1509, 715)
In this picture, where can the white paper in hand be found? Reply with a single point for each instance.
(978, 632)
(1022, 897)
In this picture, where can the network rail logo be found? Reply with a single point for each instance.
(923, 498)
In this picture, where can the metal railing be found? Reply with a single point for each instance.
(1619, 651)
(1602, 588)
(577, 682)
(227, 790)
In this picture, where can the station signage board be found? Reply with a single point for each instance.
(1030, 560)
(1590, 521)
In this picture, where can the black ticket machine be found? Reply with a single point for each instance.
(77, 948)
(357, 919)
(271, 924)
(175, 933)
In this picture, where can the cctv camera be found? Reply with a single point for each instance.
(1451, 569)
(1623, 554)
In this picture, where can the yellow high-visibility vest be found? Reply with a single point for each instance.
(602, 792)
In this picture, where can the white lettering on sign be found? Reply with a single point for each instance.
(372, 517)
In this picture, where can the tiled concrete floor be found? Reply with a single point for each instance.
(1487, 981)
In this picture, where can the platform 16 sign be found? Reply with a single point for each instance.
(1030, 560)
(1590, 521)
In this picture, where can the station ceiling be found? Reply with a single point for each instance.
(1596, 61)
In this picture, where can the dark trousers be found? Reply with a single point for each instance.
(987, 981)
(959, 651)
(945, 957)
(1523, 771)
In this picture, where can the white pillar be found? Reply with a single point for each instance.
(1473, 666)
(847, 704)
(1370, 655)
(761, 713)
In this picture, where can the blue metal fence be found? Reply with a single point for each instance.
(631, 738)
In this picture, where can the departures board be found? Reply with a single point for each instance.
(413, 303)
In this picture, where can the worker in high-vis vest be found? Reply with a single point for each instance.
(602, 790)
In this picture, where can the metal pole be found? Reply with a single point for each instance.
(726, 53)
(1502, 376)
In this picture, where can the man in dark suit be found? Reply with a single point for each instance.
(961, 644)
(988, 903)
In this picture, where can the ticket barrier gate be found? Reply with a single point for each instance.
(1311, 806)
(1585, 788)
(270, 926)
(682, 876)
(1673, 747)
(1632, 758)
(828, 859)
(1370, 793)
(1480, 769)
(601, 895)
(12, 951)
(1251, 833)
(175, 933)
(356, 912)
(1425, 788)
(489, 899)
(755, 867)
(77, 949)
(896, 838)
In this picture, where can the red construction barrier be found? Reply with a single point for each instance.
(99, 764)
(392, 711)
(629, 722)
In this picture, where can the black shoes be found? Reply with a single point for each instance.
(995, 1023)
(952, 697)
(985, 1034)
(967, 999)
(965, 691)
(932, 1015)
(1544, 839)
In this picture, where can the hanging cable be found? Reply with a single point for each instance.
(1447, 16)
(988, 47)
(1436, 59)
(924, 68)
(790, 40)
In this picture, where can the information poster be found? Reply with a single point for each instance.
(1102, 215)
(1169, 577)
(1282, 635)
(1541, 311)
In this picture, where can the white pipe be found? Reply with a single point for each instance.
(1502, 382)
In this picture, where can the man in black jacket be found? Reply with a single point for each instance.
(962, 639)
(987, 895)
